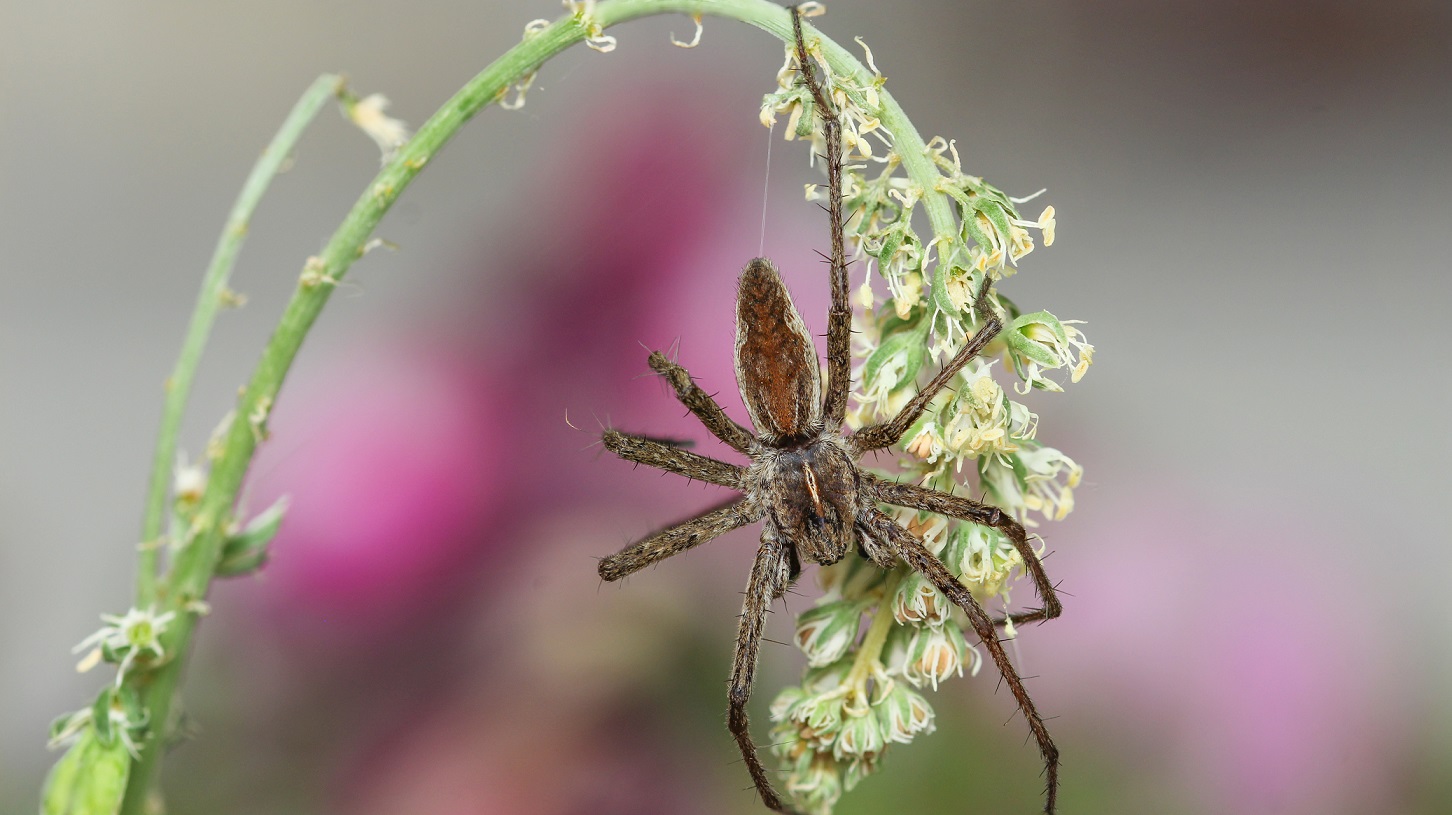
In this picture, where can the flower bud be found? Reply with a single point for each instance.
(245, 551)
(824, 633)
(89, 779)
(1041, 341)
(918, 602)
(816, 784)
(895, 363)
(934, 654)
(819, 717)
(903, 713)
(861, 737)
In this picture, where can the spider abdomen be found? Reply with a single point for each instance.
(776, 362)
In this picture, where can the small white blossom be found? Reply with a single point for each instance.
(936, 653)
(1044, 484)
(860, 737)
(126, 637)
(904, 713)
(918, 602)
(189, 481)
(825, 632)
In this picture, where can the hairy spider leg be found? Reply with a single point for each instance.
(839, 315)
(912, 551)
(769, 578)
(966, 509)
(878, 436)
(688, 534)
(662, 456)
(702, 405)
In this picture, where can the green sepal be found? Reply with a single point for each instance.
(1043, 318)
(892, 238)
(824, 633)
(67, 724)
(956, 548)
(246, 551)
(941, 298)
(1021, 345)
(90, 779)
(910, 344)
(971, 230)
(101, 717)
(808, 121)
(995, 214)
(113, 655)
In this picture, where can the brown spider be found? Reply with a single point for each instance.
(804, 481)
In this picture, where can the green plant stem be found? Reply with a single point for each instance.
(876, 637)
(193, 566)
(214, 285)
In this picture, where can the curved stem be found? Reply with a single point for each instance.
(193, 566)
(870, 651)
(209, 300)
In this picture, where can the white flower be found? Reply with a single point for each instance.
(1035, 485)
(982, 558)
(125, 638)
(1040, 341)
(918, 602)
(189, 481)
(985, 422)
(904, 713)
(936, 653)
(926, 444)
(860, 737)
(824, 633)
(1045, 492)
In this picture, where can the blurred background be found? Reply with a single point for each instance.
(1252, 214)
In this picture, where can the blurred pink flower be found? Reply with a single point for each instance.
(390, 464)
(1235, 652)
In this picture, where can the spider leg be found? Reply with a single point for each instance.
(872, 546)
(915, 497)
(673, 540)
(673, 459)
(917, 556)
(768, 581)
(700, 403)
(878, 436)
(839, 316)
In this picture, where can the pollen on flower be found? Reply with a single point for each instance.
(1046, 225)
(927, 444)
(387, 132)
(908, 292)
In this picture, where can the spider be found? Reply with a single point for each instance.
(804, 481)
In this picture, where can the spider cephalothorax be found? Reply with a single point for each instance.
(803, 483)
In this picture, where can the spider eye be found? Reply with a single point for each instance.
(776, 362)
